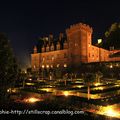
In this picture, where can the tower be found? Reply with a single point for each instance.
(79, 40)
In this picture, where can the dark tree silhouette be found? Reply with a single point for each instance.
(89, 78)
(8, 67)
(112, 37)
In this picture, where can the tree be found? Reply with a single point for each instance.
(98, 76)
(112, 37)
(88, 78)
(8, 67)
(58, 72)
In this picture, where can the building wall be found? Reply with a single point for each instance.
(93, 53)
(114, 58)
(35, 61)
(78, 49)
(79, 36)
(104, 55)
(54, 59)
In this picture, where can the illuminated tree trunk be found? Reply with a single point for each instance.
(24, 83)
(88, 91)
(66, 77)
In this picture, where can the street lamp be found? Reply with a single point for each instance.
(99, 42)
(65, 76)
(43, 71)
(47, 66)
(65, 67)
(111, 67)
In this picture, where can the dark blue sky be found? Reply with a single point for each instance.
(24, 21)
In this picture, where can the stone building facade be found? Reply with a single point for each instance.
(72, 50)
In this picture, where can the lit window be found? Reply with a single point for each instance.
(43, 66)
(52, 48)
(51, 66)
(52, 58)
(58, 65)
(111, 66)
(76, 44)
(47, 66)
(65, 65)
(43, 59)
(58, 46)
(34, 66)
(47, 48)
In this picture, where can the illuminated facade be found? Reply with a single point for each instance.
(71, 50)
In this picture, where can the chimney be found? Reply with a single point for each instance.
(35, 49)
(60, 36)
(50, 38)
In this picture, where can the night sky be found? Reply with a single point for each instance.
(25, 21)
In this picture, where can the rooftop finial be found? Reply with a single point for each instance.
(35, 49)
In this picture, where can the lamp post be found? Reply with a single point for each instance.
(43, 71)
(65, 67)
(66, 74)
(111, 69)
(99, 42)
(48, 71)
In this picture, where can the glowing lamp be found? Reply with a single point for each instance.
(31, 100)
(111, 66)
(66, 93)
(47, 66)
(111, 112)
(43, 66)
(99, 41)
(65, 65)
(97, 84)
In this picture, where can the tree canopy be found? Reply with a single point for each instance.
(89, 78)
(112, 37)
(8, 66)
